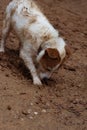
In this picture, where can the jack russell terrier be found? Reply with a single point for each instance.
(42, 49)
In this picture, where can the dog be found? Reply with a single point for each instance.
(42, 49)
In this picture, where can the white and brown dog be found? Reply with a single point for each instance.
(42, 50)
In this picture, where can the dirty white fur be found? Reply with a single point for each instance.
(32, 28)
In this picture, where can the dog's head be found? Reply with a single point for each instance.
(51, 59)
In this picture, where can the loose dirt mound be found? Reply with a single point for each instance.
(61, 103)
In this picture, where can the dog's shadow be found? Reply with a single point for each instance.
(10, 59)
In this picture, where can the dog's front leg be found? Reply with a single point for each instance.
(27, 58)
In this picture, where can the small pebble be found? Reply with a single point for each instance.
(24, 112)
(47, 104)
(31, 104)
(35, 113)
(7, 75)
(22, 119)
(9, 107)
(29, 111)
(44, 111)
(30, 117)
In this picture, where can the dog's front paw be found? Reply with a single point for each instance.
(37, 81)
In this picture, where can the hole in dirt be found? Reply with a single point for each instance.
(49, 82)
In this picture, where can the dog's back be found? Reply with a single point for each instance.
(29, 22)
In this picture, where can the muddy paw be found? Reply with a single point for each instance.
(37, 81)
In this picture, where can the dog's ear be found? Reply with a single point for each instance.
(51, 58)
(52, 53)
(68, 51)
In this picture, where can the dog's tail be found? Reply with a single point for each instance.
(6, 25)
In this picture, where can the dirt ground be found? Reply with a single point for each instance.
(61, 103)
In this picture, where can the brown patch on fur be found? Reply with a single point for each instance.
(25, 33)
(32, 19)
(51, 58)
(46, 37)
(52, 53)
(13, 11)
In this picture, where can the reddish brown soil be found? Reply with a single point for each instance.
(61, 104)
